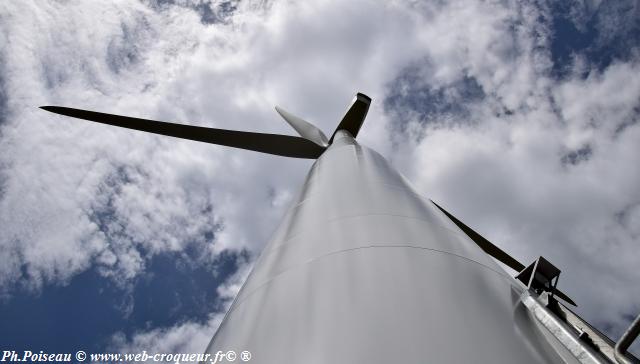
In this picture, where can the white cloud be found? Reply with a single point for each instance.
(504, 174)
(188, 337)
(185, 338)
(77, 195)
(98, 195)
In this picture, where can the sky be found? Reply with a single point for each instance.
(519, 117)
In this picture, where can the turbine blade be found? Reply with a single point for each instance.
(494, 251)
(304, 128)
(283, 145)
(558, 293)
(353, 119)
(485, 244)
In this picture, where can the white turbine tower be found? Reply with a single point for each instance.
(364, 269)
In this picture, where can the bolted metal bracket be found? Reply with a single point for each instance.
(540, 276)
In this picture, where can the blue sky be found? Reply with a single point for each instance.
(86, 313)
(520, 117)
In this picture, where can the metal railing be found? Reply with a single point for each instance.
(625, 342)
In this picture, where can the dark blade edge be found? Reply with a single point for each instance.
(354, 117)
(283, 145)
(494, 251)
(484, 244)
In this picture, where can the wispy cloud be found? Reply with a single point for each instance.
(466, 103)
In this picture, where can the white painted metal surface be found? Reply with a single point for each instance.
(365, 270)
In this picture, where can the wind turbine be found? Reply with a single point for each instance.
(364, 269)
